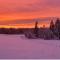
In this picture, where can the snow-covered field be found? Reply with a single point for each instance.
(19, 47)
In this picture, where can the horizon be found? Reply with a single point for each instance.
(28, 23)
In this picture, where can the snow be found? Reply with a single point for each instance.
(19, 47)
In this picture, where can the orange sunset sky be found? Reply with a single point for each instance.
(14, 12)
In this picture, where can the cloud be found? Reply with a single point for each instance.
(28, 21)
(27, 8)
(28, 5)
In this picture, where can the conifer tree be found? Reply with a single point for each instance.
(57, 28)
(52, 26)
(36, 29)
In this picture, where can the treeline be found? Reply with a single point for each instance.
(53, 32)
(11, 31)
(14, 30)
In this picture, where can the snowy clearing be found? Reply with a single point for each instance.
(19, 47)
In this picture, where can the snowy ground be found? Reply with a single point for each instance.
(16, 46)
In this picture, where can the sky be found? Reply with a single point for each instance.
(17, 10)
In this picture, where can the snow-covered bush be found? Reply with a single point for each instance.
(29, 34)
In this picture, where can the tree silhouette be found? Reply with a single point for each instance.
(57, 28)
(52, 26)
(36, 29)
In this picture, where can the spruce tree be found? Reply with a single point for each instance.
(57, 28)
(36, 29)
(52, 26)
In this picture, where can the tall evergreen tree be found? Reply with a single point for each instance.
(36, 29)
(52, 26)
(57, 28)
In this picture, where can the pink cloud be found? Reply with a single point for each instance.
(30, 7)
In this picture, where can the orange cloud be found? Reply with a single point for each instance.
(11, 10)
